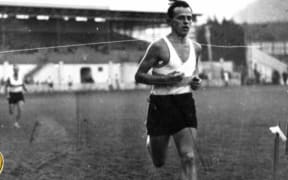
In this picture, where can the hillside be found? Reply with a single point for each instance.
(264, 11)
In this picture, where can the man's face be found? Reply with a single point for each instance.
(181, 21)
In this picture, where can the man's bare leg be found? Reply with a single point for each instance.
(185, 145)
(18, 114)
(11, 109)
(157, 147)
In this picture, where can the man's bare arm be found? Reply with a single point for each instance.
(196, 81)
(150, 60)
(198, 50)
(24, 87)
(7, 84)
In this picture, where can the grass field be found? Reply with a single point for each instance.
(101, 136)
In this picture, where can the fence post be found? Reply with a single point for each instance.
(275, 156)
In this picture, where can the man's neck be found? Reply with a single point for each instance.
(178, 39)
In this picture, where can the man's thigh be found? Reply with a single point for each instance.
(158, 148)
(185, 140)
(20, 104)
(11, 107)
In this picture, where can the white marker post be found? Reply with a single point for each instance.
(277, 130)
(278, 134)
(286, 145)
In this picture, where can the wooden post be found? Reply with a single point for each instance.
(77, 109)
(275, 157)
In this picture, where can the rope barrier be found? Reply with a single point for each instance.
(113, 42)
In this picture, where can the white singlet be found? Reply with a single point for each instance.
(175, 64)
(16, 85)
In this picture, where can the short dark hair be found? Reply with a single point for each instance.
(175, 4)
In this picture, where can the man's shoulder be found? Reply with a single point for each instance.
(159, 43)
(197, 46)
(158, 46)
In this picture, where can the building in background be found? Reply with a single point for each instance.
(70, 46)
(265, 23)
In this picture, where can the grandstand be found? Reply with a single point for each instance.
(25, 27)
(40, 36)
(61, 41)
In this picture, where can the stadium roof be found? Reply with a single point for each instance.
(59, 4)
(33, 10)
(57, 12)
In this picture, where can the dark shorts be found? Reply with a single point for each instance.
(15, 97)
(168, 114)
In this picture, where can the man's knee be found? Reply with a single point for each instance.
(158, 163)
(11, 110)
(188, 158)
(158, 160)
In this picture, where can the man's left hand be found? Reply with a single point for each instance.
(195, 83)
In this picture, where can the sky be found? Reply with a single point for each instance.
(208, 8)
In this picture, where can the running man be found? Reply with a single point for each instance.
(171, 113)
(14, 92)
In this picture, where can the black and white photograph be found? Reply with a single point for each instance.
(143, 90)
